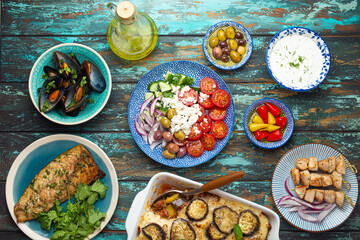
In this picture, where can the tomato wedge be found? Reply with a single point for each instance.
(188, 97)
(208, 141)
(221, 98)
(219, 129)
(208, 85)
(217, 113)
(206, 103)
(206, 124)
(201, 117)
(195, 132)
(195, 148)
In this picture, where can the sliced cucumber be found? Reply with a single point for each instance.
(158, 94)
(182, 79)
(169, 76)
(164, 86)
(168, 94)
(148, 95)
(187, 81)
(153, 86)
(176, 79)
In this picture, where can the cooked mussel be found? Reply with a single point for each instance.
(225, 218)
(249, 222)
(78, 95)
(62, 60)
(94, 76)
(182, 229)
(50, 71)
(154, 232)
(50, 94)
(197, 209)
(213, 232)
(73, 57)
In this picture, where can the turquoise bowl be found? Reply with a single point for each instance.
(82, 52)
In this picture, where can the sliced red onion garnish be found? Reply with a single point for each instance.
(147, 128)
(140, 129)
(154, 144)
(287, 187)
(290, 202)
(293, 209)
(147, 101)
(163, 143)
(149, 120)
(306, 217)
(157, 111)
(152, 106)
(145, 138)
(323, 214)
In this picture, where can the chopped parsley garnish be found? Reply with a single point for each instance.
(292, 64)
(301, 59)
(83, 81)
(73, 103)
(238, 232)
(50, 86)
(46, 106)
(44, 76)
(91, 100)
(72, 73)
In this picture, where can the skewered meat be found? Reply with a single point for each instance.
(310, 195)
(339, 197)
(302, 163)
(300, 191)
(319, 195)
(337, 180)
(326, 180)
(315, 180)
(305, 178)
(340, 164)
(295, 174)
(313, 164)
(329, 196)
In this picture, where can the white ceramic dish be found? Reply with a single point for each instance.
(35, 157)
(149, 194)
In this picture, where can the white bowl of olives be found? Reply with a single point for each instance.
(227, 45)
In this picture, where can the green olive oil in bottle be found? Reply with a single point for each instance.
(132, 35)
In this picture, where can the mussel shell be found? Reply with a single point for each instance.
(94, 76)
(70, 96)
(60, 56)
(50, 71)
(44, 96)
(72, 55)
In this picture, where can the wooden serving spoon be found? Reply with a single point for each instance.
(214, 184)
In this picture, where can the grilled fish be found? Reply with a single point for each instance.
(54, 182)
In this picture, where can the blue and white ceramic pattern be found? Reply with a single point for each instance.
(196, 71)
(82, 52)
(208, 51)
(35, 157)
(301, 31)
(289, 128)
(282, 171)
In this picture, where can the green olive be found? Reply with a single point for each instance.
(171, 113)
(221, 35)
(230, 32)
(233, 44)
(235, 56)
(168, 155)
(165, 122)
(213, 42)
(180, 135)
(241, 50)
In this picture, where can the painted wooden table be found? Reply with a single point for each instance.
(329, 114)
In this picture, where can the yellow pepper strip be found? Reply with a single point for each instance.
(271, 128)
(257, 119)
(257, 126)
(271, 119)
(171, 211)
(172, 198)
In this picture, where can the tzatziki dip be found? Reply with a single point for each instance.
(296, 62)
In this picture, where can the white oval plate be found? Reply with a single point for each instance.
(35, 157)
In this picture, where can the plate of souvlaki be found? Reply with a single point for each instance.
(314, 187)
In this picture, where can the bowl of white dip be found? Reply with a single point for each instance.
(298, 59)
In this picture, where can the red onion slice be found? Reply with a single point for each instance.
(307, 217)
(147, 101)
(154, 144)
(290, 202)
(287, 187)
(152, 106)
(163, 143)
(323, 214)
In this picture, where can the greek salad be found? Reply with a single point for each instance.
(181, 117)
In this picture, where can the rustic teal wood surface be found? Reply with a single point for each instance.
(328, 114)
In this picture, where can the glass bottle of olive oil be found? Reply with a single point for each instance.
(132, 35)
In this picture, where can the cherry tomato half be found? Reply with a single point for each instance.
(219, 129)
(221, 98)
(217, 113)
(206, 124)
(208, 85)
(189, 97)
(206, 103)
(208, 141)
(195, 132)
(195, 148)
(201, 117)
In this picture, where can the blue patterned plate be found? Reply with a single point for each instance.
(82, 52)
(289, 128)
(196, 71)
(282, 171)
(35, 157)
(218, 63)
(316, 39)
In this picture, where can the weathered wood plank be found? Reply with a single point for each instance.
(258, 192)
(341, 111)
(180, 17)
(20, 53)
(239, 154)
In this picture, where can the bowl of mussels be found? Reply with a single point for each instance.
(70, 84)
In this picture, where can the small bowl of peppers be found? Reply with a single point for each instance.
(268, 123)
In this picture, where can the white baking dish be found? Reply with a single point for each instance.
(150, 193)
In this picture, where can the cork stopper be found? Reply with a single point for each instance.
(125, 10)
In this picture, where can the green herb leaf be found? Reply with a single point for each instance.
(301, 59)
(46, 106)
(82, 192)
(96, 217)
(100, 188)
(292, 64)
(238, 232)
(50, 86)
(44, 76)
(90, 100)
(83, 81)
(73, 103)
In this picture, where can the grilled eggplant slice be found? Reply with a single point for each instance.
(213, 232)
(225, 218)
(182, 229)
(154, 232)
(249, 222)
(197, 210)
